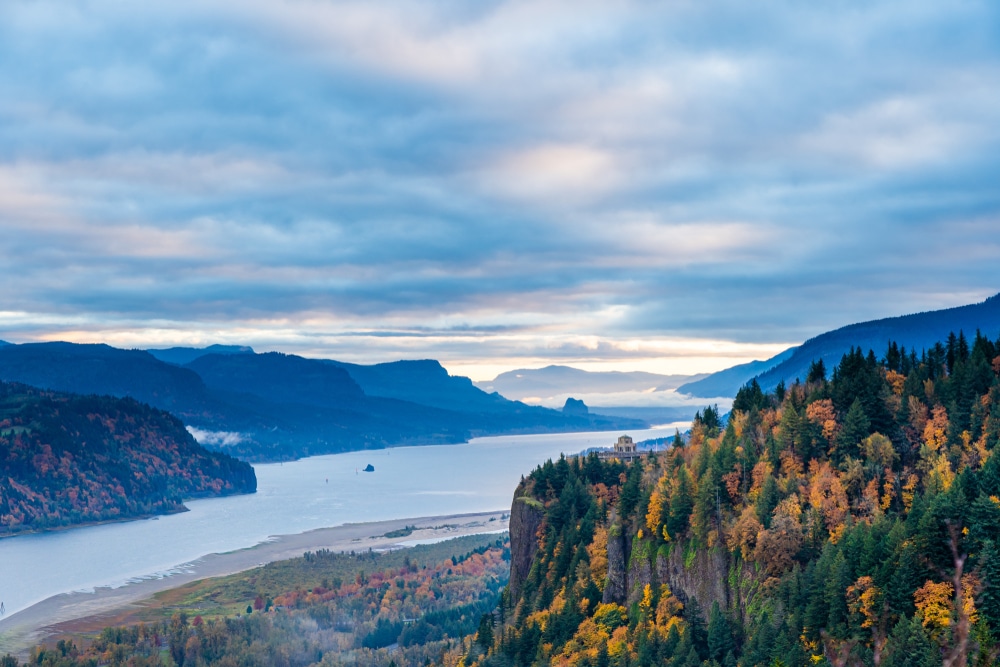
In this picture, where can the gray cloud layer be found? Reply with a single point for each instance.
(509, 179)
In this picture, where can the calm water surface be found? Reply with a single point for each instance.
(291, 498)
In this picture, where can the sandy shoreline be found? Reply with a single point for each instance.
(31, 626)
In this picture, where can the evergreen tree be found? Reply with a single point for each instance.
(484, 636)
(696, 627)
(709, 419)
(835, 594)
(750, 397)
(989, 599)
(817, 372)
(602, 656)
(855, 429)
(909, 646)
(768, 499)
(630, 491)
(681, 504)
(720, 636)
(678, 440)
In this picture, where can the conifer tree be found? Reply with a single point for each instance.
(989, 598)
(909, 646)
(720, 637)
(696, 627)
(855, 429)
(681, 504)
(817, 372)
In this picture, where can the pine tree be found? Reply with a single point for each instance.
(989, 600)
(681, 504)
(696, 626)
(855, 429)
(817, 372)
(768, 499)
(720, 636)
(750, 397)
(909, 646)
(630, 491)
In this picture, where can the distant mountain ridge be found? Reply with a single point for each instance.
(277, 377)
(274, 406)
(424, 381)
(556, 380)
(102, 369)
(185, 355)
(727, 382)
(917, 331)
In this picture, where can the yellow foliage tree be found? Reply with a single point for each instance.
(896, 381)
(668, 609)
(610, 616)
(598, 552)
(761, 471)
(879, 451)
(743, 535)
(934, 603)
(936, 429)
(655, 510)
(827, 494)
(646, 604)
(865, 599)
(823, 414)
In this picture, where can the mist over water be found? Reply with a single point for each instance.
(291, 498)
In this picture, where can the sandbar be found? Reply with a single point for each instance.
(34, 625)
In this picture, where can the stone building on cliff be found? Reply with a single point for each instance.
(624, 450)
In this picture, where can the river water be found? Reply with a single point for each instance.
(291, 498)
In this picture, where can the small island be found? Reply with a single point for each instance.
(369, 468)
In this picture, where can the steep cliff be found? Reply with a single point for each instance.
(616, 585)
(526, 516)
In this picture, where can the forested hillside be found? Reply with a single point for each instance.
(416, 606)
(916, 331)
(849, 520)
(70, 459)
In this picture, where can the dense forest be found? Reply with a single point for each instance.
(70, 459)
(849, 520)
(371, 609)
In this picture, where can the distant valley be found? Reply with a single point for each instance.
(274, 406)
(651, 397)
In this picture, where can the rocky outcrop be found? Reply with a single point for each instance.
(702, 575)
(526, 516)
(576, 407)
(616, 587)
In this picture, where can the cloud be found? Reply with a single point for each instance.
(215, 438)
(497, 183)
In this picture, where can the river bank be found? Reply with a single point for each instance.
(92, 610)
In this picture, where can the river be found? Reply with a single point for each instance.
(291, 498)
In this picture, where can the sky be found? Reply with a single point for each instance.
(666, 186)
